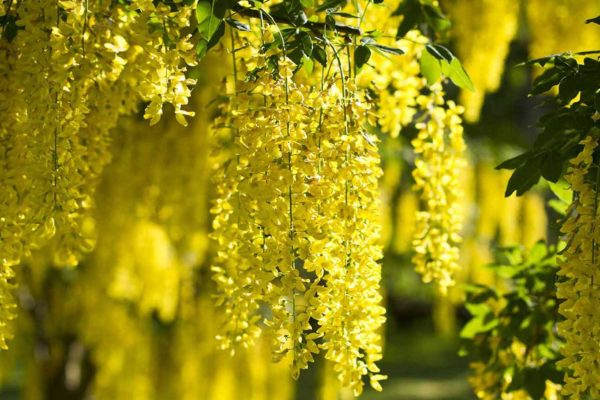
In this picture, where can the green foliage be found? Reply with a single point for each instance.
(575, 113)
(511, 333)
(564, 196)
(423, 14)
(210, 25)
(438, 60)
(305, 41)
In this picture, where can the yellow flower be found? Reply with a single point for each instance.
(579, 272)
(439, 150)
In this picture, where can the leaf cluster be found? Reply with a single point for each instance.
(574, 112)
(423, 14)
(512, 332)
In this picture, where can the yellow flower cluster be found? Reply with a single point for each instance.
(70, 71)
(395, 79)
(483, 30)
(146, 277)
(7, 306)
(439, 148)
(296, 225)
(580, 273)
(559, 25)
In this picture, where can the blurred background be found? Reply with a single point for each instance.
(136, 320)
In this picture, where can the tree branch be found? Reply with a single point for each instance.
(314, 26)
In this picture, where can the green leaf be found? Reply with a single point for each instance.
(435, 18)
(440, 52)
(547, 80)
(361, 56)
(514, 162)
(306, 43)
(220, 7)
(210, 27)
(345, 15)
(387, 49)
(431, 68)
(308, 65)
(552, 166)
(478, 325)
(568, 88)
(207, 21)
(458, 75)
(320, 55)
(523, 178)
(238, 25)
(412, 15)
(535, 383)
(564, 194)
(593, 20)
(307, 3)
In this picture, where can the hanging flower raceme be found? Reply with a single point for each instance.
(7, 305)
(483, 44)
(66, 75)
(580, 272)
(439, 149)
(296, 224)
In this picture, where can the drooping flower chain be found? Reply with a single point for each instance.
(439, 149)
(296, 224)
(70, 71)
(581, 273)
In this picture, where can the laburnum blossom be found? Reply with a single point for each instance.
(69, 72)
(580, 274)
(296, 224)
(439, 159)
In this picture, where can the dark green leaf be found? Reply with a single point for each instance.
(552, 166)
(306, 43)
(514, 162)
(435, 18)
(412, 15)
(217, 35)
(221, 7)
(535, 383)
(524, 178)
(388, 49)
(550, 78)
(344, 15)
(439, 52)
(296, 56)
(10, 30)
(568, 88)
(361, 56)
(330, 22)
(593, 20)
(320, 55)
